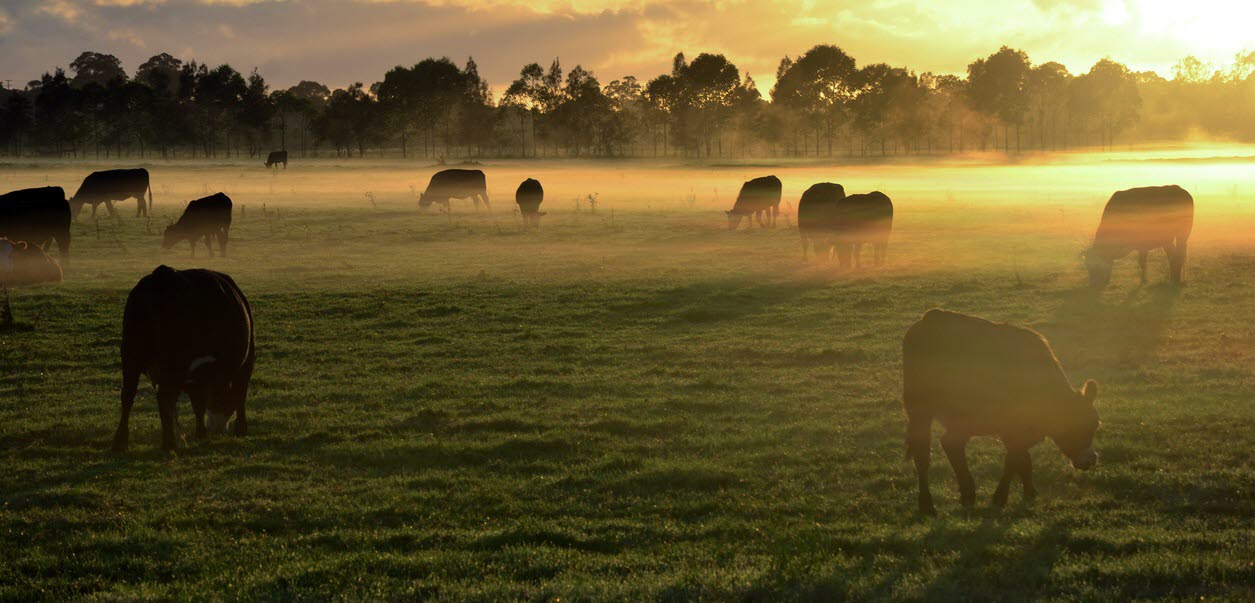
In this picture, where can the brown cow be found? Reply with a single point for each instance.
(866, 218)
(529, 196)
(816, 216)
(1142, 220)
(757, 197)
(977, 378)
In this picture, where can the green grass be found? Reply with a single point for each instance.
(654, 408)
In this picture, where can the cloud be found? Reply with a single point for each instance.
(339, 42)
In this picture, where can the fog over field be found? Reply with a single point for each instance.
(632, 401)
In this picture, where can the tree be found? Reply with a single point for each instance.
(96, 68)
(708, 89)
(1107, 98)
(1047, 90)
(820, 86)
(997, 86)
(527, 95)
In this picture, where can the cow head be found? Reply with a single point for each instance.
(1099, 269)
(1075, 436)
(734, 220)
(422, 200)
(172, 235)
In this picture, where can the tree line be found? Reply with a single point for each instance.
(822, 105)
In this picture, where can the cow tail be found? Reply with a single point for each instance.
(150, 196)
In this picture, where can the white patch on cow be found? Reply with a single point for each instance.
(199, 362)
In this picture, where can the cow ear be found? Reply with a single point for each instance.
(1090, 390)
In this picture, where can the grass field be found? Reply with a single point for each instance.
(633, 403)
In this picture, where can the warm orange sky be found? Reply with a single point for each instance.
(338, 42)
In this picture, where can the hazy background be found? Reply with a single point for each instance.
(341, 42)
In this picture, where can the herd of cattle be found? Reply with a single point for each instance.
(191, 331)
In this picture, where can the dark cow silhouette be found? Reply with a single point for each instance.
(113, 185)
(22, 265)
(189, 331)
(529, 196)
(456, 184)
(860, 219)
(977, 378)
(1142, 220)
(816, 217)
(37, 216)
(277, 157)
(757, 197)
(209, 217)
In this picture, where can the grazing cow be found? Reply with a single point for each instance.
(1142, 220)
(277, 157)
(37, 216)
(113, 185)
(455, 184)
(189, 331)
(757, 197)
(816, 215)
(529, 196)
(977, 377)
(22, 265)
(209, 217)
(860, 219)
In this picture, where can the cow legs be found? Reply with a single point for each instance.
(209, 243)
(805, 246)
(109, 206)
(130, 384)
(1018, 462)
(918, 436)
(1141, 263)
(1176, 261)
(200, 400)
(167, 399)
(955, 446)
(1026, 476)
(222, 241)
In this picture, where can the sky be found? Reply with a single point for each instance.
(338, 42)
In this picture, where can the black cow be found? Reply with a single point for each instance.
(277, 157)
(456, 184)
(37, 216)
(816, 217)
(860, 219)
(209, 217)
(529, 196)
(113, 185)
(189, 331)
(1142, 220)
(757, 197)
(976, 378)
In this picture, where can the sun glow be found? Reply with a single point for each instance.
(1210, 26)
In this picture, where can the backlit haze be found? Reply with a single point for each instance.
(338, 42)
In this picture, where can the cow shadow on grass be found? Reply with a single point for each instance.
(1112, 337)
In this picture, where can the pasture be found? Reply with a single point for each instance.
(632, 403)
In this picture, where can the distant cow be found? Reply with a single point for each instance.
(189, 331)
(455, 184)
(977, 377)
(209, 217)
(529, 196)
(113, 185)
(37, 216)
(816, 216)
(860, 219)
(1142, 220)
(277, 157)
(757, 197)
(22, 265)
